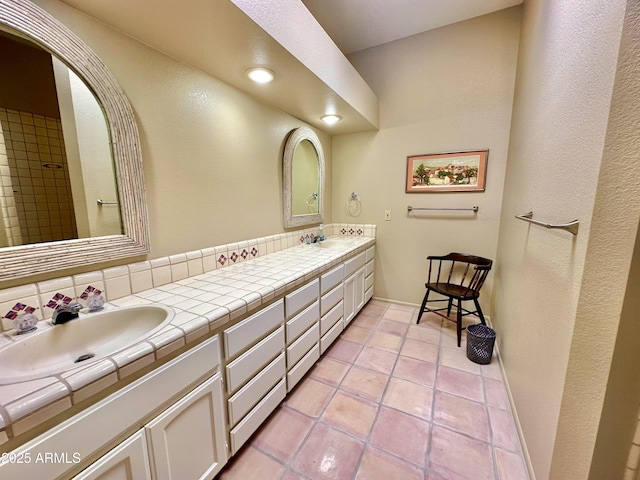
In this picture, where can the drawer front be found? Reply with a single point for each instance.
(301, 298)
(248, 331)
(301, 322)
(331, 299)
(369, 268)
(368, 295)
(248, 364)
(331, 279)
(249, 424)
(252, 392)
(330, 337)
(370, 253)
(368, 282)
(301, 346)
(330, 319)
(350, 266)
(303, 366)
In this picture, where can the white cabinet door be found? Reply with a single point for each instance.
(128, 461)
(187, 441)
(359, 289)
(349, 299)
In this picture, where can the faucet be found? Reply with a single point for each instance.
(65, 312)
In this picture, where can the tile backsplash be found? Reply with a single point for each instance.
(42, 298)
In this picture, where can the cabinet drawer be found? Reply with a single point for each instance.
(252, 392)
(301, 298)
(369, 268)
(368, 295)
(331, 279)
(350, 266)
(328, 301)
(303, 366)
(368, 282)
(330, 319)
(370, 253)
(257, 416)
(301, 346)
(249, 330)
(330, 337)
(302, 322)
(248, 364)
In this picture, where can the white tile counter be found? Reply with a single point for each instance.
(204, 303)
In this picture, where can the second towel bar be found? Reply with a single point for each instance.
(569, 227)
(472, 209)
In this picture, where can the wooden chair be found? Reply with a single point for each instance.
(457, 276)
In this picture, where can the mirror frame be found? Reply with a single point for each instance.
(35, 24)
(293, 140)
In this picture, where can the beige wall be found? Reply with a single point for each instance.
(447, 90)
(212, 155)
(602, 388)
(548, 285)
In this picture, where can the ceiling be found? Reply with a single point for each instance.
(355, 25)
(224, 37)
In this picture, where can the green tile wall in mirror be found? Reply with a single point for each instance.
(71, 185)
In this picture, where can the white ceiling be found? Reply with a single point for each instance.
(355, 25)
(219, 38)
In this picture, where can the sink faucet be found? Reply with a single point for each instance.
(65, 312)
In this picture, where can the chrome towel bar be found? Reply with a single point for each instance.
(569, 227)
(102, 202)
(472, 209)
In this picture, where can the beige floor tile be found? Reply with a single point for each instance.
(426, 352)
(248, 461)
(329, 371)
(366, 383)
(351, 414)
(310, 397)
(377, 464)
(416, 371)
(385, 341)
(409, 397)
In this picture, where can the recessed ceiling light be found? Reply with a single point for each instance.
(260, 74)
(331, 119)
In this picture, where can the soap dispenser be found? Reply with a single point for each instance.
(321, 234)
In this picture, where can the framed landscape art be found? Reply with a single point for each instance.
(447, 172)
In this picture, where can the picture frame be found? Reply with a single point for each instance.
(447, 172)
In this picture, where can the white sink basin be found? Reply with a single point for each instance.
(334, 243)
(93, 335)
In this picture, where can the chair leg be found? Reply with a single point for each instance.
(459, 321)
(449, 307)
(479, 311)
(424, 303)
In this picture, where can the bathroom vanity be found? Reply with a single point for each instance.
(210, 385)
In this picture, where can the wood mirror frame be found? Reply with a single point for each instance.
(26, 19)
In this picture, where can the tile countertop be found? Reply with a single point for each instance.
(202, 304)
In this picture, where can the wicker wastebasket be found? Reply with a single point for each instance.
(480, 341)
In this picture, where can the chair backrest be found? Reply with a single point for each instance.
(454, 268)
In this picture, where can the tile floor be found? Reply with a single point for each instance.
(389, 400)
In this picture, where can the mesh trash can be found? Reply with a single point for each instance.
(480, 340)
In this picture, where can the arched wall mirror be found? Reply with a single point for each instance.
(71, 184)
(303, 171)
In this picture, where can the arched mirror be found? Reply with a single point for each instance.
(303, 169)
(72, 190)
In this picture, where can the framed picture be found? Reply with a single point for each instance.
(447, 172)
